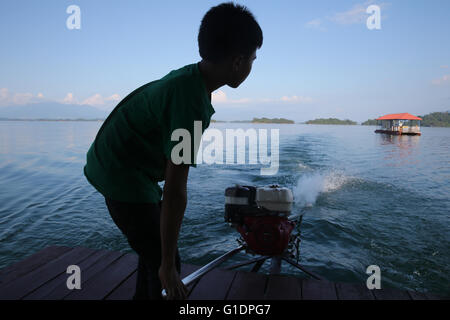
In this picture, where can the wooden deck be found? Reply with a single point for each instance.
(111, 275)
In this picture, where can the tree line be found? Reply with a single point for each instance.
(434, 119)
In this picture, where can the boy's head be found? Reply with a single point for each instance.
(229, 37)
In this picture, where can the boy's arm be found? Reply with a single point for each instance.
(172, 212)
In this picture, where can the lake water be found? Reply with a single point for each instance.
(367, 199)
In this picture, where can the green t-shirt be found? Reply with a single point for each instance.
(128, 156)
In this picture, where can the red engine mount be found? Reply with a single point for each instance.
(266, 235)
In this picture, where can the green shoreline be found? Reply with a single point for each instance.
(332, 121)
(434, 119)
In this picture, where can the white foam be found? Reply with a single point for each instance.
(302, 166)
(310, 186)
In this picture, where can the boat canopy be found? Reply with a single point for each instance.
(399, 116)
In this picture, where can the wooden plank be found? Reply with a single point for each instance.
(21, 268)
(112, 274)
(353, 291)
(57, 288)
(126, 290)
(22, 286)
(431, 296)
(86, 274)
(390, 294)
(318, 290)
(247, 286)
(417, 295)
(187, 269)
(107, 280)
(281, 287)
(213, 286)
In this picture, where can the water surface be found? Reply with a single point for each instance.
(367, 199)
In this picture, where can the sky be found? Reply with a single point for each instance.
(318, 60)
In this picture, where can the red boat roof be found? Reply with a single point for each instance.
(399, 116)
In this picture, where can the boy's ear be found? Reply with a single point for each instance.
(237, 62)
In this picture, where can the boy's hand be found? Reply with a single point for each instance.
(171, 282)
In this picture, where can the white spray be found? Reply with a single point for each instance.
(311, 185)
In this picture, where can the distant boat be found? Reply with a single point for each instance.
(399, 124)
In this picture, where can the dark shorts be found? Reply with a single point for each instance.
(140, 223)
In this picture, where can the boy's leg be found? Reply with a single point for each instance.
(148, 285)
(140, 223)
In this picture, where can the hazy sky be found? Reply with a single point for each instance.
(318, 59)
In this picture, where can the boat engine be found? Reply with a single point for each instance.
(260, 215)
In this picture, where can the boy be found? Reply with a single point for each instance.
(133, 149)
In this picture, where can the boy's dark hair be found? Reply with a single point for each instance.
(228, 29)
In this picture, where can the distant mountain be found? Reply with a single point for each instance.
(370, 122)
(52, 110)
(331, 121)
(436, 119)
(274, 120)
